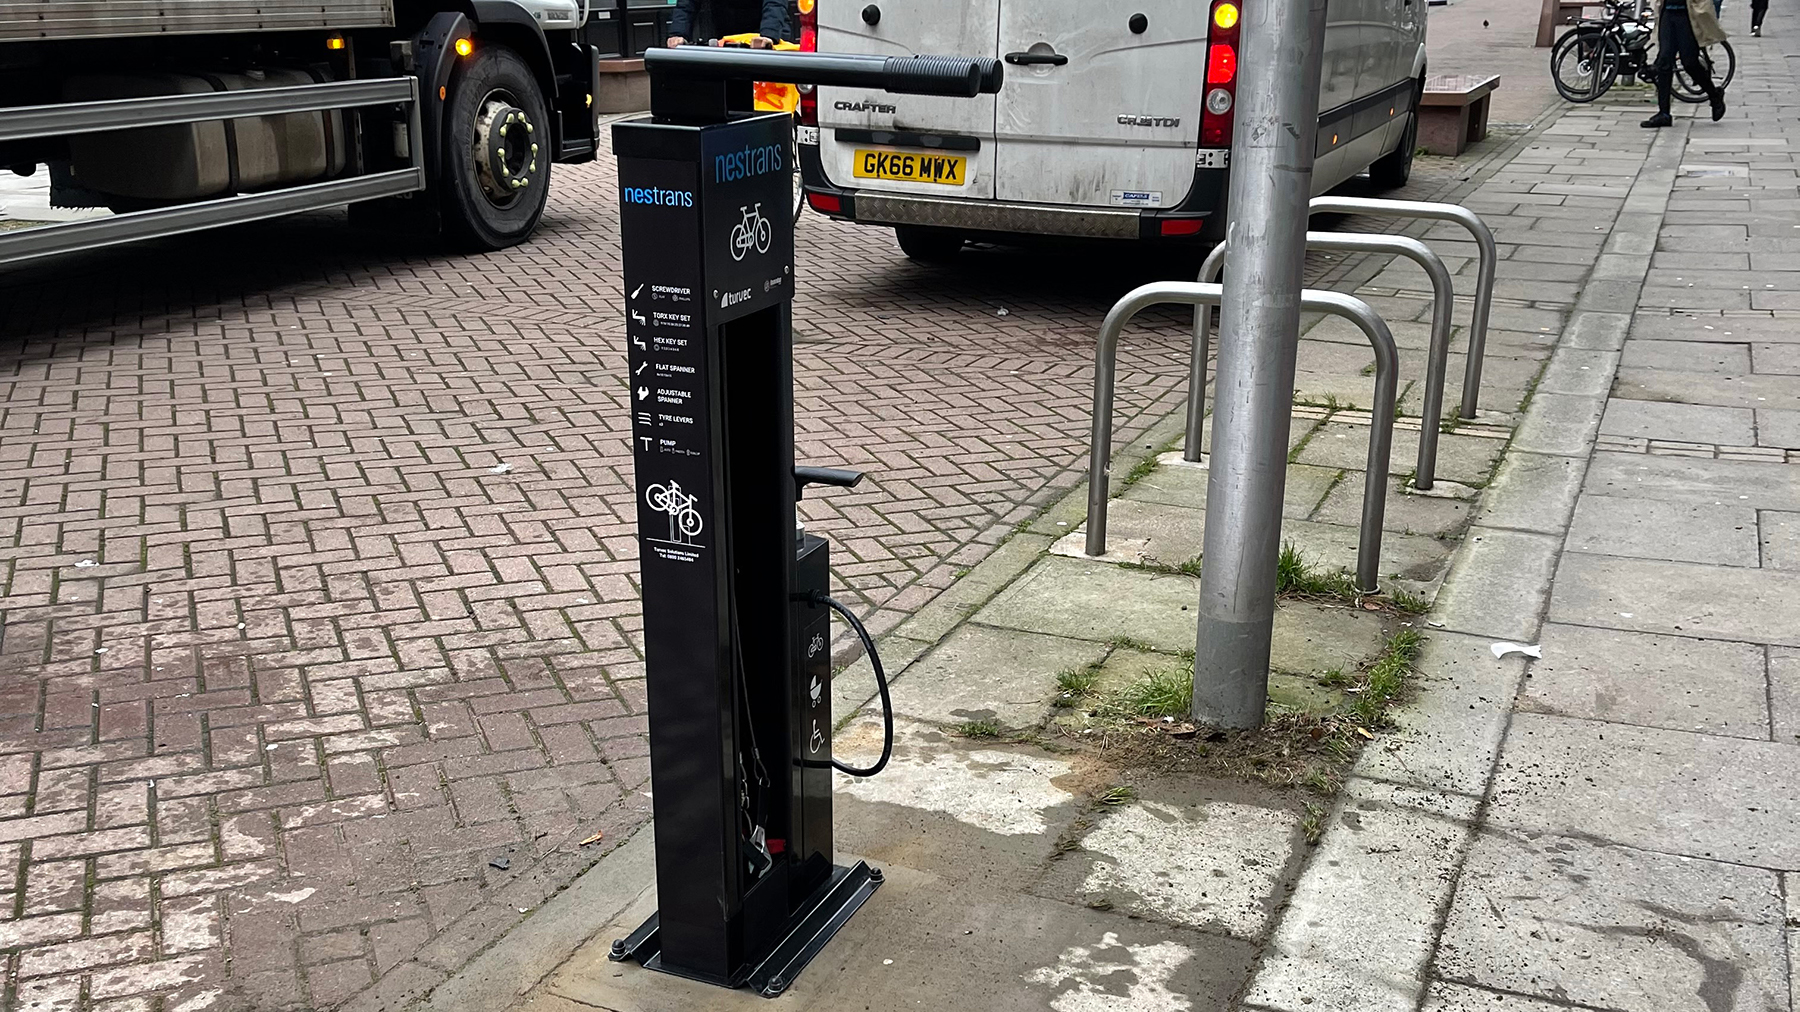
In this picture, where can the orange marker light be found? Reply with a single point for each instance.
(1224, 15)
(334, 42)
(464, 47)
(805, 6)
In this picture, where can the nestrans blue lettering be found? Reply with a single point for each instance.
(657, 196)
(751, 161)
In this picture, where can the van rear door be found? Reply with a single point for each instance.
(914, 144)
(1101, 105)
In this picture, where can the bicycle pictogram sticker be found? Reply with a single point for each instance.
(685, 522)
(754, 232)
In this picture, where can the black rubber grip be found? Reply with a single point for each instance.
(932, 75)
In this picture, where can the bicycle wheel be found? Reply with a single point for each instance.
(1584, 64)
(1723, 61)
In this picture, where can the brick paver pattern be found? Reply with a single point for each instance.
(318, 571)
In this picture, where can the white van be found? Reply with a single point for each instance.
(1115, 120)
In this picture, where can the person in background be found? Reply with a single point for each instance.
(1757, 9)
(714, 19)
(1684, 27)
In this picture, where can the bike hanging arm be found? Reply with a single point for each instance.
(694, 84)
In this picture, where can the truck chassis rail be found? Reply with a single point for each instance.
(64, 119)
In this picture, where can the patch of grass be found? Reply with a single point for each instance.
(1078, 681)
(979, 729)
(1385, 678)
(1333, 678)
(1294, 576)
(1168, 692)
(1312, 823)
(1119, 795)
(1411, 604)
(1143, 470)
(1130, 643)
(1300, 447)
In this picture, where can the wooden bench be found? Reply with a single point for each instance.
(1453, 111)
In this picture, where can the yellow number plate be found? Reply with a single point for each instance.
(948, 170)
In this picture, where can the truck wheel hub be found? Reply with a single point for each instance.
(505, 150)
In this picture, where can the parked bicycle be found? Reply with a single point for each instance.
(1590, 57)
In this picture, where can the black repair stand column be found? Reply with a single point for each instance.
(738, 669)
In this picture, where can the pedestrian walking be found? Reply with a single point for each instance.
(1757, 9)
(1684, 27)
(714, 19)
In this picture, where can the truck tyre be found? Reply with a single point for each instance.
(495, 169)
(928, 245)
(1392, 170)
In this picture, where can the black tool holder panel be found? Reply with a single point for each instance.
(736, 646)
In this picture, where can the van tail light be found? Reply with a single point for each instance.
(1221, 75)
(809, 43)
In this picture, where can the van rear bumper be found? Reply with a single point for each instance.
(1205, 202)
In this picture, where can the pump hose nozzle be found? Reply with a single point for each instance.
(887, 704)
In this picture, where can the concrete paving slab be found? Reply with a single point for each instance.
(1652, 529)
(988, 949)
(1349, 941)
(1685, 356)
(1559, 424)
(1311, 638)
(1784, 694)
(1597, 331)
(1098, 601)
(974, 588)
(1675, 682)
(1183, 855)
(1179, 483)
(1780, 539)
(1681, 598)
(1778, 427)
(983, 673)
(1450, 728)
(1532, 492)
(1697, 795)
(1728, 389)
(1777, 359)
(1660, 326)
(1754, 484)
(1405, 514)
(1580, 372)
(1161, 535)
(1610, 927)
(1693, 423)
(1443, 997)
(1498, 584)
(1466, 459)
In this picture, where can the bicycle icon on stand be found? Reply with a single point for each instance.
(685, 521)
(753, 232)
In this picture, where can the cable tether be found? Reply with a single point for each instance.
(887, 705)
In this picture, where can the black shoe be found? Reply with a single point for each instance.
(1661, 119)
(1756, 31)
(1718, 106)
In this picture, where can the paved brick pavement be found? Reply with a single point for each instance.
(319, 579)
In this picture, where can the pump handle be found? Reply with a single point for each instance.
(835, 476)
(956, 76)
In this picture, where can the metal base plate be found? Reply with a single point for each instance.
(805, 935)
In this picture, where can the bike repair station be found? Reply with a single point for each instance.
(736, 613)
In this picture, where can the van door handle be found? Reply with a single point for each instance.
(1030, 59)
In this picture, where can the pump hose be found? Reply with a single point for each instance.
(887, 704)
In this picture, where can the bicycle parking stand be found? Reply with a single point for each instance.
(1484, 277)
(1437, 358)
(736, 619)
(1381, 420)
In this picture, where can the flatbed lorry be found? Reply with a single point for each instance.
(438, 116)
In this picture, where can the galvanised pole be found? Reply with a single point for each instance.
(1276, 130)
